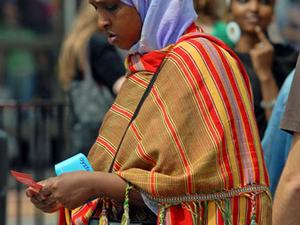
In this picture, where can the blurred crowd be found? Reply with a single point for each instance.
(27, 65)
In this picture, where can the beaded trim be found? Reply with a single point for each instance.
(208, 197)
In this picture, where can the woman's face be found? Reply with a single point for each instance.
(251, 13)
(121, 23)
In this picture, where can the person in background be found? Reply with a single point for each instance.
(180, 138)
(36, 15)
(267, 64)
(19, 67)
(282, 147)
(287, 197)
(212, 17)
(86, 52)
(276, 142)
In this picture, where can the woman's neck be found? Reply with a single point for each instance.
(246, 43)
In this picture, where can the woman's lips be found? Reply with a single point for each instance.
(252, 19)
(111, 37)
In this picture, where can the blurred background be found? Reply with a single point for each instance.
(32, 104)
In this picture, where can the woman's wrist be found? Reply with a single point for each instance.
(265, 77)
(107, 185)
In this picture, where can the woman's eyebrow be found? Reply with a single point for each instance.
(99, 1)
(92, 4)
(96, 3)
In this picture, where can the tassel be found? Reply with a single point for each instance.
(68, 217)
(225, 210)
(114, 210)
(253, 222)
(125, 217)
(103, 220)
(205, 217)
(162, 215)
(195, 213)
(253, 209)
(200, 213)
(193, 208)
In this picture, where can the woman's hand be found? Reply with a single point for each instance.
(262, 56)
(42, 202)
(69, 190)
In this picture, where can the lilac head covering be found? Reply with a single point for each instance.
(164, 21)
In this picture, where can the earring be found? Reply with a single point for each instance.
(233, 31)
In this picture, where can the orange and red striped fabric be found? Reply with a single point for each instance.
(195, 135)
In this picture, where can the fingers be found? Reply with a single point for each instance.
(43, 199)
(260, 34)
(46, 191)
(46, 204)
(263, 45)
(30, 192)
(47, 187)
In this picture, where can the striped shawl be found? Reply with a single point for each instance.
(194, 145)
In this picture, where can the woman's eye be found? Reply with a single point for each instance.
(111, 7)
(242, 1)
(264, 2)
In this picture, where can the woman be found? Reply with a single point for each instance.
(267, 64)
(192, 152)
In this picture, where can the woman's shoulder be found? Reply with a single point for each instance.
(196, 45)
(201, 55)
(201, 47)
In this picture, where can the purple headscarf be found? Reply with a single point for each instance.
(164, 21)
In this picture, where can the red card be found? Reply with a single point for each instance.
(27, 180)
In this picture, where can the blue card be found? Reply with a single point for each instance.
(75, 163)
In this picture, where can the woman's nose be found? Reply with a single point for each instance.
(254, 5)
(103, 21)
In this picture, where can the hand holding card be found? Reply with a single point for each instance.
(27, 180)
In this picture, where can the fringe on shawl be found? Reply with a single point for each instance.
(197, 213)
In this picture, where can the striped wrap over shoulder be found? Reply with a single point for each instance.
(194, 147)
